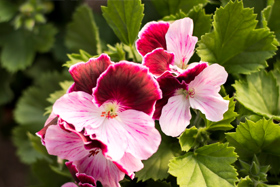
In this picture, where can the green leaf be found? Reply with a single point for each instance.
(18, 42)
(25, 44)
(6, 94)
(202, 21)
(45, 38)
(245, 182)
(206, 167)
(47, 177)
(260, 138)
(167, 7)
(82, 32)
(260, 94)
(235, 43)
(57, 94)
(7, 10)
(76, 58)
(276, 73)
(188, 138)
(224, 124)
(116, 53)
(61, 171)
(125, 18)
(25, 149)
(273, 21)
(156, 166)
(31, 106)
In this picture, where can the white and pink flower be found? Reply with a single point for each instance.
(170, 45)
(118, 112)
(197, 87)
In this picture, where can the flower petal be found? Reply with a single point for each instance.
(214, 75)
(86, 74)
(142, 137)
(206, 98)
(112, 134)
(78, 109)
(52, 120)
(130, 84)
(180, 41)
(158, 61)
(66, 145)
(189, 74)
(168, 84)
(81, 178)
(152, 36)
(69, 184)
(212, 105)
(175, 116)
(129, 164)
(101, 169)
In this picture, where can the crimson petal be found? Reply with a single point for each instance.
(130, 84)
(85, 75)
(192, 72)
(158, 61)
(152, 36)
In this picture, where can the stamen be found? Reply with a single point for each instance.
(111, 110)
(93, 152)
(191, 93)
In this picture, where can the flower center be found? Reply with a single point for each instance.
(182, 64)
(187, 93)
(93, 152)
(111, 110)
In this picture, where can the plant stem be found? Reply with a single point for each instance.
(133, 53)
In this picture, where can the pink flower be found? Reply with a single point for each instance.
(87, 163)
(113, 104)
(169, 45)
(198, 88)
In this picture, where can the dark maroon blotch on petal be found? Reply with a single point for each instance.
(85, 75)
(152, 36)
(168, 85)
(158, 61)
(190, 74)
(130, 85)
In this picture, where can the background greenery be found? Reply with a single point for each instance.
(38, 38)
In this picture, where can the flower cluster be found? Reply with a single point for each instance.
(166, 49)
(104, 124)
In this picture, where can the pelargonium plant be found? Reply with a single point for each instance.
(189, 99)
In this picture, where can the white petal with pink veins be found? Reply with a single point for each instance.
(112, 134)
(180, 41)
(142, 137)
(214, 75)
(206, 97)
(175, 116)
(129, 164)
(78, 109)
(66, 145)
(212, 105)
